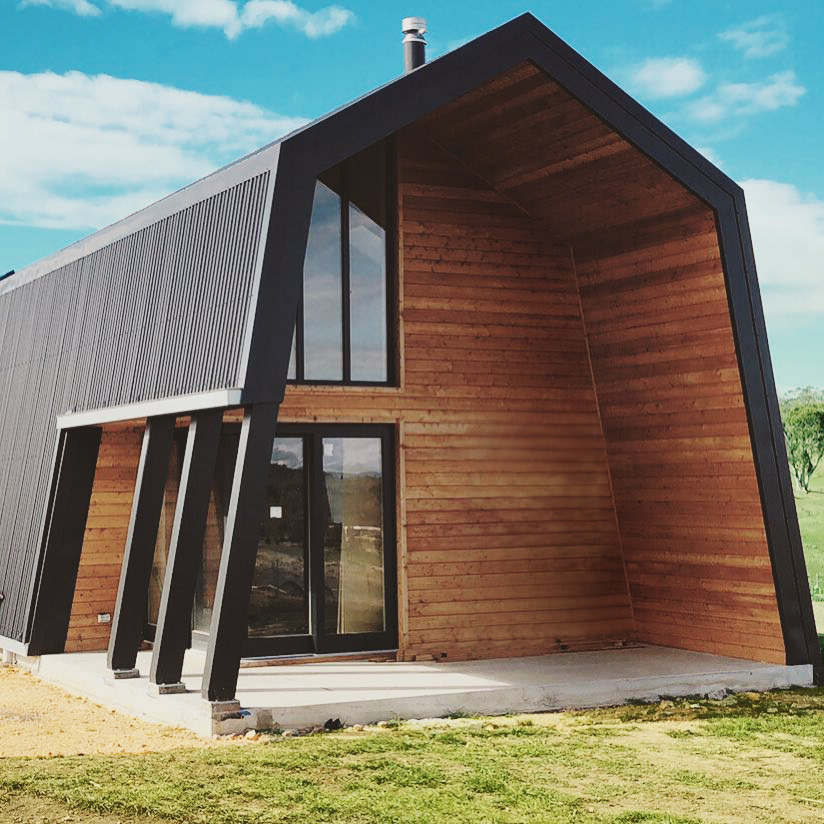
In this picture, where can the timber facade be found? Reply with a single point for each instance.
(474, 367)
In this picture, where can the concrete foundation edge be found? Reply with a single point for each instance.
(228, 718)
(538, 698)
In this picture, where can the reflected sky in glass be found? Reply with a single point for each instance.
(288, 452)
(367, 282)
(352, 456)
(356, 192)
(322, 299)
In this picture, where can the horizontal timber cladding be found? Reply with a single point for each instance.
(508, 536)
(659, 333)
(685, 485)
(544, 150)
(105, 538)
(158, 313)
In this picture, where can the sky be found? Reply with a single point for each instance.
(108, 105)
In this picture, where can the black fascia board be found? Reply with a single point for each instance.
(345, 131)
(377, 115)
(789, 564)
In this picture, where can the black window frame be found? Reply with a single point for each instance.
(391, 236)
(319, 641)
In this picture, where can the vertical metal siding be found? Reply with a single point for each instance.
(159, 313)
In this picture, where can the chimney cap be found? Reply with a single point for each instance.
(413, 25)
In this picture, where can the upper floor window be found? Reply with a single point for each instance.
(344, 331)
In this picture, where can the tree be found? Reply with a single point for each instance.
(802, 414)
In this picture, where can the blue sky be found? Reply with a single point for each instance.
(106, 105)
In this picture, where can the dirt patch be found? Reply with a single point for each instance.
(39, 719)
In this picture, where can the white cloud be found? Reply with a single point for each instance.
(321, 23)
(660, 77)
(79, 151)
(230, 15)
(740, 99)
(211, 13)
(760, 37)
(81, 7)
(788, 236)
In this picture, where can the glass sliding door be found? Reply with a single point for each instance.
(325, 570)
(353, 536)
(354, 539)
(279, 607)
(324, 577)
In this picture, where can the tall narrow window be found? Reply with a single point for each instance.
(322, 290)
(344, 331)
(367, 267)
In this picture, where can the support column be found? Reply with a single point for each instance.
(173, 634)
(230, 616)
(65, 530)
(133, 590)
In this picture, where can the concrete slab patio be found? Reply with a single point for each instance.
(366, 692)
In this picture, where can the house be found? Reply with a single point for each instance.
(472, 367)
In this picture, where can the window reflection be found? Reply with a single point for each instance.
(322, 290)
(350, 210)
(279, 603)
(345, 481)
(292, 372)
(353, 537)
(367, 285)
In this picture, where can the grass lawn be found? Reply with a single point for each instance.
(746, 759)
(811, 518)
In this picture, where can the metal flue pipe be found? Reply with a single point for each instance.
(414, 44)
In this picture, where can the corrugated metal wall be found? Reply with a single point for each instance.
(159, 313)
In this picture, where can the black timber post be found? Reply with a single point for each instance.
(133, 590)
(65, 529)
(173, 634)
(230, 617)
(281, 281)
